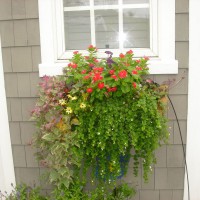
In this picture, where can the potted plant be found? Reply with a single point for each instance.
(91, 117)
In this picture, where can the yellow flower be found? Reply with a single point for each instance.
(68, 110)
(73, 98)
(69, 96)
(82, 105)
(62, 102)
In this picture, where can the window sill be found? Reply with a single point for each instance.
(156, 66)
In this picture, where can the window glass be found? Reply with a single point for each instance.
(77, 30)
(105, 2)
(72, 3)
(136, 28)
(106, 29)
(135, 1)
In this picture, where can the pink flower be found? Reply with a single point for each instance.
(114, 76)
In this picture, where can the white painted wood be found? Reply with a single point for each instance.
(156, 66)
(121, 31)
(106, 7)
(162, 44)
(92, 23)
(193, 121)
(7, 174)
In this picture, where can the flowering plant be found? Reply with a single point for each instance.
(91, 117)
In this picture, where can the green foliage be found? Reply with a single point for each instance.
(24, 192)
(90, 118)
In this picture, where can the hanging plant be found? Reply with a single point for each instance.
(91, 117)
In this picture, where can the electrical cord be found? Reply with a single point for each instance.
(184, 154)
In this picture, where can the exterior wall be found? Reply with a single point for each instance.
(21, 55)
(19, 30)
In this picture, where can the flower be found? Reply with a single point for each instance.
(86, 77)
(146, 57)
(129, 52)
(134, 72)
(62, 102)
(89, 90)
(83, 71)
(111, 71)
(112, 89)
(101, 85)
(138, 68)
(137, 61)
(91, 65)
(97, 77)
(114, 76)
(82, 105)
(91, 47)
(74, 66)
(68, 110)
(121, 55)
(134, 84)
(75, 52)
(74, 98)
(123, 74)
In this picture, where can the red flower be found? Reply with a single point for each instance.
(101, 85)
(95, 60)
(121, 55)
(86, 77)
(138, 68)
(101, 69)
(114, 76)
(83, 71)
(134, 84)
(91, 65)
(146, 57)
(134, 72)
(129, 52)
(123, 74)
(70, 64)
(137, 61)
(74, 66)
(113, 89)
(89, 90)
(75, 52)
(127, 64)
(87, 57)
(97, 77)
(111, 71)
(91, 47)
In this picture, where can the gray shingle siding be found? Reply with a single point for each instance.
(19, 28)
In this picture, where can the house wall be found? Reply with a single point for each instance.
(19, 29)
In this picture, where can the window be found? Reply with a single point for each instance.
(146, 26)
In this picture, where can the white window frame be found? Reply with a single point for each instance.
(162, 38)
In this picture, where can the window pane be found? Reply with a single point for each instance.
(105, 2)
(71, 3)
(107, 28)
(136, 28)
(135, 1)
(77, 30)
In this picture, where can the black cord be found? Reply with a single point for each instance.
(184, 154)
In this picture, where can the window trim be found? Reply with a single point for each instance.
(51, 22)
